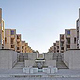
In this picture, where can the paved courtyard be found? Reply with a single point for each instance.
(39, 78)
(62, 74)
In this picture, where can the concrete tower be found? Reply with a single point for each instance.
(0, 28)
(78, 31)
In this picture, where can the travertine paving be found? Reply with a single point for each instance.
(39, 78)
(72, 75)
(60, 71)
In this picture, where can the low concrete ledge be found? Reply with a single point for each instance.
(40, 75)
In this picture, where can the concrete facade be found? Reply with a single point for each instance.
(29, 63)
(78, 31)
(40, 60)
(31, 57)
(8, 59)
(0, 28)
(29, 50)
(48, 56)
(70, 39)
(3, 34)
(23, 46)
(62, 43)
(72, 59)
(51, 63)
(10, 39)
(57, 46)
(51, 49)
(19, 49)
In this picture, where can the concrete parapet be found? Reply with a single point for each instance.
(29, 63)
(72, 59)
(50, 63)
(8, 59)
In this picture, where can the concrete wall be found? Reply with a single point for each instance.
(73, 34)
(8, 37)
(50, 63)
(48, 56)
(8, 59)
(29, 63)
(72, 59)
(0, 28)
(49, 59)
(32, 56)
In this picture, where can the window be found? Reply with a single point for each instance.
(68, 40)
(17, 48)
(74, 40)
(12, 32)
(12, 46)
(68, 46)
(18, 43)
(57, 47)
(18, 37)
(22, 47)
(5, 40)
(62, 48)
(12, 40)
(0, 38)
(68, 32)
(54, 44)
(62, 36)
(62, 44)
(57, 50)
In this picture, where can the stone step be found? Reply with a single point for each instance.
(19, 65)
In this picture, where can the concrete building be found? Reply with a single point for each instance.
(70, 39)
(0, 28)
(29, 50)
(40, 60)
(3, 34)
(26, 46)
(62, 43)
(78, 31)
(10, 39)
(54, 47)
(18, 43)
(23, 46)
(51, 49)
(57, 46)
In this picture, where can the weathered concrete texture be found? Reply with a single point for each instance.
(49, 59)
(29, 63)
(72, 59)
(50, 63)
(32, 56)
(0, 28)
(48, 56)
(8, 59)
(31, 59)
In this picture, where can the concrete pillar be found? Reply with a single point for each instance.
(0, 28)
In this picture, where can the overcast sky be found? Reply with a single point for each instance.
(40, 21)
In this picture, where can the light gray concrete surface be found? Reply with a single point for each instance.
(48, 56)
(50, 63)
(39, 78)
(29, 63)
(8, 59)
(32, 56)
(62, 74)
(60, 71)
(72, 59)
